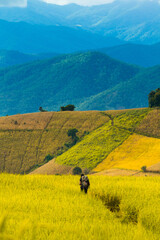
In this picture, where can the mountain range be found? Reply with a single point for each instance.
(136, 21)
(139, 54)
(92, 57)
(10, 58)
(30, 38)
(89, 80)
(136, 54)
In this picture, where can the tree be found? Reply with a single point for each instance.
(69, 107)
(77, 171)
(42, 110)
(144, 169)
(151, 99)
(72, 133)
(154, 98)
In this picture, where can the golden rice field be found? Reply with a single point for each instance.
(135, 152)
(95, 147)
(25, 140)
(52, 207)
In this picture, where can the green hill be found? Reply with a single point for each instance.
(60, 81)
(129, 94)
(9, 58)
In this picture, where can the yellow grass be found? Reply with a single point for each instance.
(52, 207)
(135, 152)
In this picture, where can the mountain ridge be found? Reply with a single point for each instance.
(62, 80)
(135, 21)
(33, 39)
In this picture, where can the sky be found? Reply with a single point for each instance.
(13, 3)
(23, 3)
(79, 2)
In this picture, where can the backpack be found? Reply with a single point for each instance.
(85, 181)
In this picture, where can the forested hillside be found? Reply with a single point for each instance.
(129, 94)
(66, 79)
(9, 58)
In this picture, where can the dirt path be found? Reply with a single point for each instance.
(52, 168)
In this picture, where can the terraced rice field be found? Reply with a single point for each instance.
(52, 207)
(135, 152)
(25, 140)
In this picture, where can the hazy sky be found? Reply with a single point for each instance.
(23, 3)
(13, 3)
(85, 2)
(80, 2)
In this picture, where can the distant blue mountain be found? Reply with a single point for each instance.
(136, 21)
(29, 38)
(142, 55)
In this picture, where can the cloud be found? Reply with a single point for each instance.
(79, 2)
(13, 3)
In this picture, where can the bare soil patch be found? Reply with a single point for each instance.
(52, 168)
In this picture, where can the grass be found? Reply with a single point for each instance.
(52, 207)
(134, 153)
(22, 146)
(96, 146)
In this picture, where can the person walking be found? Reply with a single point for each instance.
(84, 183)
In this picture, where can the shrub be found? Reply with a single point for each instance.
(72, 133)
(48, 158)
(77, 171)
(42, 110)
(15, 122)
(144, 169)
(69, 107)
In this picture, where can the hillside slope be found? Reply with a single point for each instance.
(129, 94)
(140, 149)
(60, 81)
(137, 151)
(141, 55)
(26, 140)
(96, 146)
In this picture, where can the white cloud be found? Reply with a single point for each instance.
(13, 3)
(79, 2)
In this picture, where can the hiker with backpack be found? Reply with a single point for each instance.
(84, 183)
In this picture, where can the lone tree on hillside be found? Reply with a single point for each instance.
(72, 133)
(69, 107)
(42, 110)
(154, 98)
